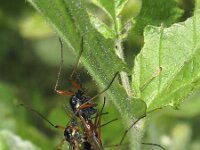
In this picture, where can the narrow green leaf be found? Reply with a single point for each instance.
(177, 51)
(112, 7)
(107, 6)
(119, 5)
(101, 27)
(155, 13)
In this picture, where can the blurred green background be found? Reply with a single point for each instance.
(29, 62)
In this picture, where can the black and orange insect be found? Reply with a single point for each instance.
(72, 132)
(79, 102)
(79, 134)
(81, 131)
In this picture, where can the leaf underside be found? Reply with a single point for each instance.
(176, 51)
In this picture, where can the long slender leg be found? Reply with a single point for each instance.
(126, 144)
(154, 144)
(77, 61)
(99, 129)
(127, 130)
(91, 138)
(102, 125)
(104, 102)
(40, 115)
(98, 121)
(75, 84)
(86, 105)
(103, 90)
(61, 65)
(105, 113)
(65, 92)
(60, 145)
(98, 125)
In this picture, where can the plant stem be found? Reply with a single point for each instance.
(135, 132)
(123, 75)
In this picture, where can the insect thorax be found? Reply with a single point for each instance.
(76, 101)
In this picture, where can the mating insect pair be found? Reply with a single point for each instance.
(81, 132)
(82, 106)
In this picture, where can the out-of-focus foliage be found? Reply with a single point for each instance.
(29, 60)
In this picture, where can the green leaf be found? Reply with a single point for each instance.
(177, 51)
(112, 7)
(70, 20)
(155, 13)
(101, 27)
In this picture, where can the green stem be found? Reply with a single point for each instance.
(137, 130)
(123, 75)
